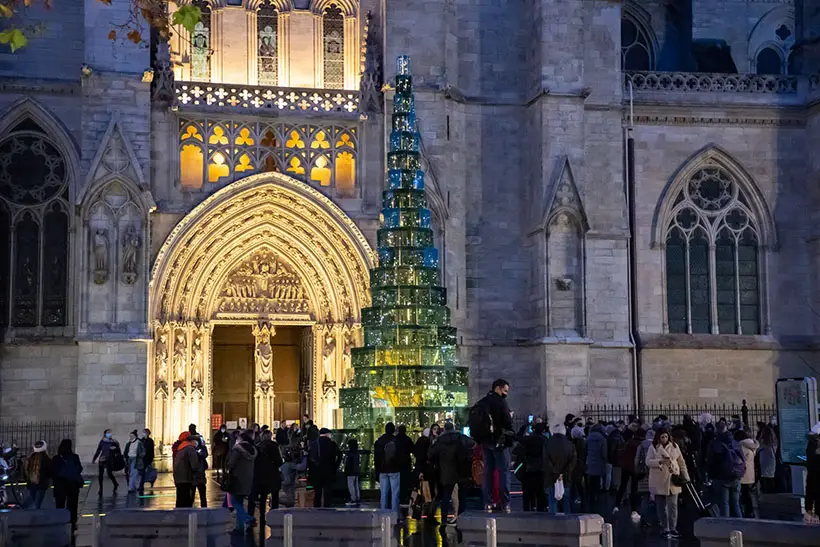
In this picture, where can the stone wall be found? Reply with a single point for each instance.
(111, 391)
(38, 381)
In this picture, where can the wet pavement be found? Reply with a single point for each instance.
(411, 534)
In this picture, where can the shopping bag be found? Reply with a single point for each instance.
(559, 489)
(416, 504)
(151, 474)
(425, 490)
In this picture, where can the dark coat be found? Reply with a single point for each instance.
(378, 455)
(580, 445)
(186, 464)
(148, 445)
(202, 454)
(353, 462)
(219, 446)
(499, 410)
(104, 448)
(596, 452)
(140, 458)
(559, 459)
(406, 447)
(324, 458)
(58, 463)
(451, 454)
(627, 457)
(266, 474)
(241, 466)
(530, 453)
(420, 451)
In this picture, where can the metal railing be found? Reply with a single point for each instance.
(253, 98)
(749, 414)
(25, 434)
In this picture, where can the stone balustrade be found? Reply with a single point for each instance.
(715, 532)
(255, 99)
(331, 527)
(532, 529)
(700, 82)
(36, 528)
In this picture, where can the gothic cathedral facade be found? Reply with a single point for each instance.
(187, 226)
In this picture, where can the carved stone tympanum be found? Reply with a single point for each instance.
(264, 284)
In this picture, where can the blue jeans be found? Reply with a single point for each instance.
(134, 476)
(243, 519)
(727, 497)
(389, 484)
(566, 501)
(496, 458)
(36, 495)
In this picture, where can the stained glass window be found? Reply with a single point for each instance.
(712, 258)
(267, 25)
(34, 197)
(333, 40)
(201, 44)
(636, 48)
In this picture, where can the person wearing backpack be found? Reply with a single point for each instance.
(665, 462)
(387, 466)
(596, 463)
(451, 455)
(491, 426)
(726, 466)
(530, 454)
(68, 479)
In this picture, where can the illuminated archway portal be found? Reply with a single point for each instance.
(263, 253)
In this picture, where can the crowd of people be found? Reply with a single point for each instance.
(571, 467)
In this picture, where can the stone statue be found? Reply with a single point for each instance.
(196, 361)
(162, 359)
(100, 248)
(179, 359)
(264, 354)
(130, 249)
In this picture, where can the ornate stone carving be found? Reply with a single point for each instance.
(196, 363)
(100, 254)
(161, 381)
(163, 82)
(180, 360)
(371, 98)
(263, 394)
(264, 284)
(130, 255)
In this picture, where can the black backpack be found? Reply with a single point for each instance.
(480, 422)
(391, 456)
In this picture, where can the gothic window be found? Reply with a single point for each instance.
(201, 44)
(769, 62)
(33, 224)
(214, 152)
(712, 282)
(267, 20)
(636, 47)
(333, 44)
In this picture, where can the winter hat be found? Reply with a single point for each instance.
(650, 435)
(42, 448)
(559, 429)
(816, 429)
(324, 431)
(577, 432)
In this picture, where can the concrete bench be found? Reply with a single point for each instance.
(330, 527)
(781, 507)
(168, 528)
(532, 530)
(38, 528)
(715, 532)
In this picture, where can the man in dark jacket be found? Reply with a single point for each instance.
(560, 459)
(186, 467)
(496, 450)
(725, 486)
(406, 450)
(219, 448)
(323, 463)
(529, 454)
(597, 456)
(240, 468)
(267, 480)
(148, 446)
(387, 466)
(451, 454)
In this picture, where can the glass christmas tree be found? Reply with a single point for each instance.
(407, 371)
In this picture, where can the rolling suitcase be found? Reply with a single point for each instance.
(705, 509)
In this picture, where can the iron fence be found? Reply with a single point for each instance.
(25, 434)
(748, 414)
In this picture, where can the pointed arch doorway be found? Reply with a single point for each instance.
(266, 263)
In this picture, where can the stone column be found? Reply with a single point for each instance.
(352, 52)
(158, 378)
(178, 374)
(198, 385)
(263, 374)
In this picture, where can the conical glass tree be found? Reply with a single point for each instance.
(407, 371)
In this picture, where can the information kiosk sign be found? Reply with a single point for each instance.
(796, 414)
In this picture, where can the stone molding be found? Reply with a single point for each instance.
(700, 82)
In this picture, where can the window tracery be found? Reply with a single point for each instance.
(267, 25)
(712, 257)
(636, 46)
(333, 44)
(215, 152)
(34, 223)
(201, 44)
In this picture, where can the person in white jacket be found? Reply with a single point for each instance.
(665, 461)
(749, 494)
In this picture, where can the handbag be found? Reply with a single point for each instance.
(117, 459)
(416, 504)
(151, 474)
(678, 480)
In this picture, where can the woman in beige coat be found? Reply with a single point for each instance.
(664, 460)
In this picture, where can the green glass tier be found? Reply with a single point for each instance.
(398, 316)
(373, 377)
(408, 296)
(403, 198)
(405, 237)
(406, 217)
(408, 256)
(403, 356)
(408, 335)
(403, 276)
